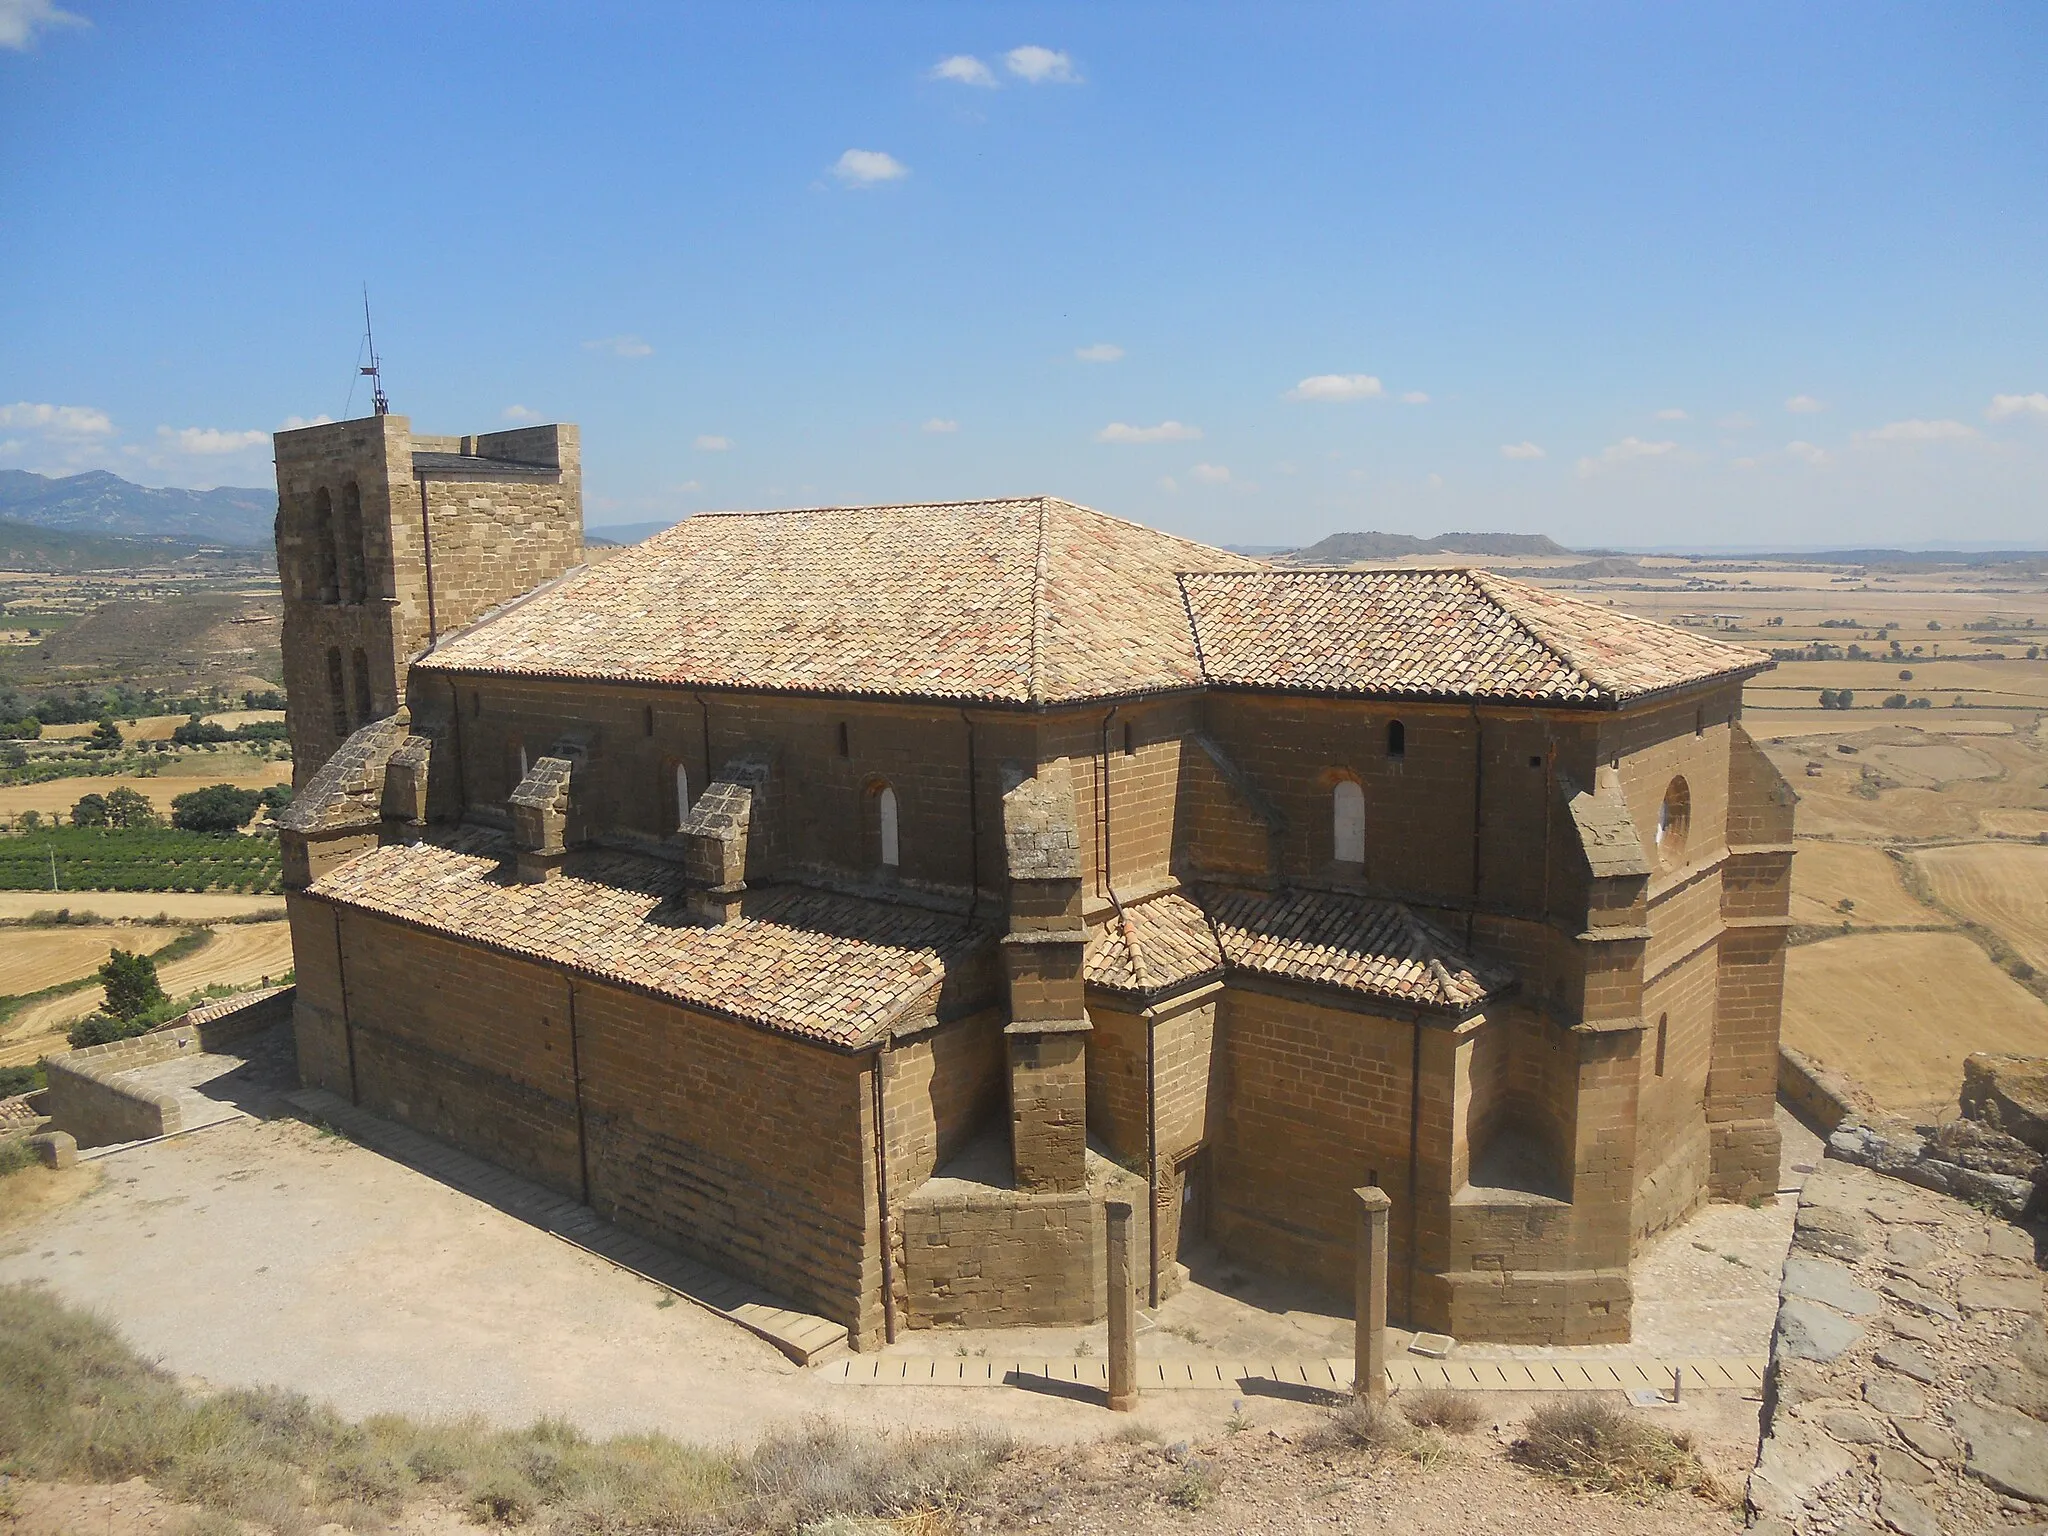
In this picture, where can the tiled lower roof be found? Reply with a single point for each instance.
(1375, 947)
(1153, 946)
(801, 961)
(1460, 634)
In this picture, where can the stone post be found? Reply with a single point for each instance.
(1123, 1309)
(1369, 1352)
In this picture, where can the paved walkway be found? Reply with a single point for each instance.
(799, 1335)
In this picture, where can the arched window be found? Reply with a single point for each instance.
(885, 820)
(1674, 820)
(682, 794)
(325, 586)
(1347, 822)
(337, 691)
(354, 557)
(366, 706)
(1397, 739)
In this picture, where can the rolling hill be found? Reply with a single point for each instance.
(1344, 548)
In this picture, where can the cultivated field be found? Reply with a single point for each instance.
(179, 906)
(55, 797)
(1825, 875)
(160, 727)
(34, 958)
(241, 955)
(2004, 886)
(1898, 1012)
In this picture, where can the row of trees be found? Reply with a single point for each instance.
(220, 809)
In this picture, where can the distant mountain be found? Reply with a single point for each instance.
(97, 502)
(627, 533)
(1346, 548)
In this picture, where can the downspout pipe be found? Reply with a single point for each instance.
(1102, 862)
(576, 1084)
(348, 1028)
(973, 827)
(881, 1099)
(704, 719)
(1478, 780)
(1151, 1146)
(1414, 1167)
(427, 553)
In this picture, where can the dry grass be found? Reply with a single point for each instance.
(1377, 1430)
(1898, 1012)
(177, 906)
(1824, 875)
(55, 797)
(76, 1403)
(1586, 1441)
(1441, 1408)
(2004, 886)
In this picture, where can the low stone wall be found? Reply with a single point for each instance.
(1826, 1098)
(87, 1098)
(978, 1255)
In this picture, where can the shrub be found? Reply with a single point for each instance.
(14, 1156)
(90, 811)
(1441, 1408)
(131, 985)
(1588, 1442)
(19, 1080)
(129, 809)
(1362, 1425)
(196, 732)
(105, 737)
(218, 809)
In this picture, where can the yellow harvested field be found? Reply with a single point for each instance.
(34, 958)
(2018, 823)
(180, 906)
(1824, 874)
(56, 796)
(1898, 1012)
(240, 956)
(1765, 722)
(160, 727)
(2004, 886)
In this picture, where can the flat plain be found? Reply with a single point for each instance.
(34, 958)
(2004, 886)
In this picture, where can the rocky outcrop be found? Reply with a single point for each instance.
(1908, 1388)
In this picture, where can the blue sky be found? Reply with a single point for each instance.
(1626, 274)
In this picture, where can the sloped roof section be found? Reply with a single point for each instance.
(1457, 634)
(1023, 601)
(1153, 946)
(1378, 948)
(801, 962)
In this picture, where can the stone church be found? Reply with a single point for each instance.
(852, 897)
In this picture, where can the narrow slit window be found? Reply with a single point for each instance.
(1663, 1031)
(1347, 822)
(337, 691)
(366, 706)
(647, 721)
(1130, 741)
(1397, 739)
(682, 794)
(885, 815)
(845, 745)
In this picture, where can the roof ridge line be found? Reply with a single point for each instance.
(1034, 684)
(1485, 581)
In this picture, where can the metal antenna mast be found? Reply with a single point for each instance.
(378, 400)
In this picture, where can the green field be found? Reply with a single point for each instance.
(158, 859)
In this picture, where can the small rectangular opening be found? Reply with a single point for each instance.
(1130, 741)
(845, 749)
(647, 722)
(1535, 761)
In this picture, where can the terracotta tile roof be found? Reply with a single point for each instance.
(1460, 634)
(801, 961)
(1033, 600)
(1154, 946)
(1375, 947)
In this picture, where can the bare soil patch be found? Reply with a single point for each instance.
(179, 906)
(1898, 1012)
(2004, 886)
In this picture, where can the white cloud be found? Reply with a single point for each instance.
(520, 413)
(1165, 432)
(1338, 386)
(293, 423)
(964, 69)
(1434, 483)
(1168, 483)
(1041, 66)
(2005, 407)
(1804, 405)
(620, 346)
(942, 424)
(868, 168)
(1523, 450)
(209, 440)
(20, 20)
(1626, 451)
(1214, 474)
(709, 442)
(1672, 413)
(1741, 421)
(1808, 452)
(1100, 352)
(57, 420)
(1917, 431)
(1415, 397)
